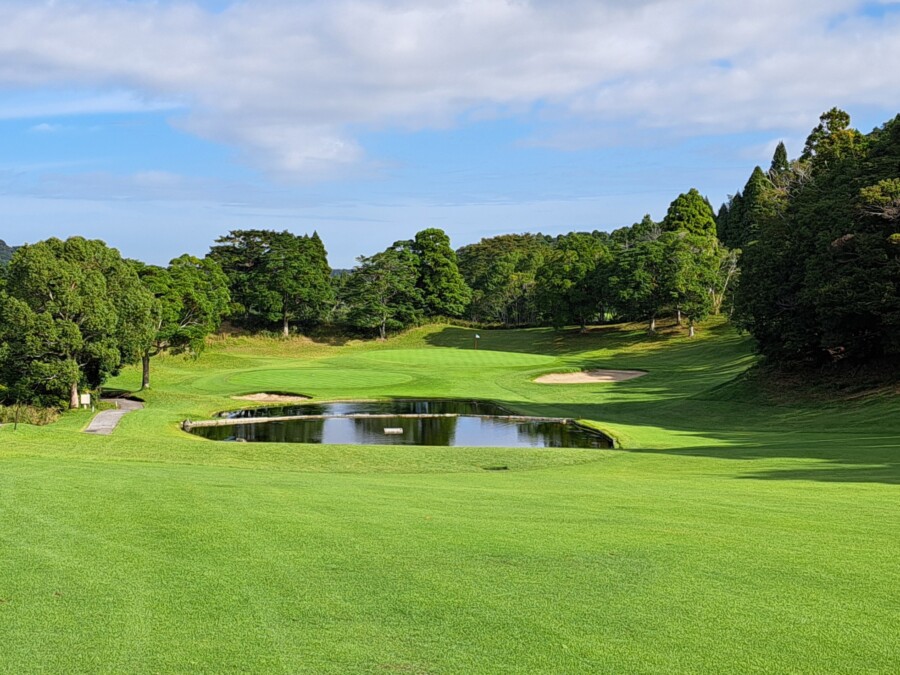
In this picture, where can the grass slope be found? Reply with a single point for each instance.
(735, 531)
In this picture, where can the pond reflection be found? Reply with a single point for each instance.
(470, 424)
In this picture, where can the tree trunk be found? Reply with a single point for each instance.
(74, 400)
(285, 328)
(145, 376)
(652, 324)
(678, 316)
(691, 329)
(382, 329)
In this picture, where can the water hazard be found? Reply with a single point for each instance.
(402, 422)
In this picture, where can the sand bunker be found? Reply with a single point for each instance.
(590, 377)
(271, 398)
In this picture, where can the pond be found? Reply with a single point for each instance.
(400, 422)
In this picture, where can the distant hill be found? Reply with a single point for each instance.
(5, 252)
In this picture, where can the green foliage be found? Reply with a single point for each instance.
(381, 292)
(26, 414)
(501, 271)
(642, 279)
(75, 313)
(678, 265)
(692, 213)
(240, 254)
(832, 138)
(696, 261)
(191, 297)
(820, 282)
(780, 164)
(275, 277)
(626, 237)
(572, 284)
(444, 291)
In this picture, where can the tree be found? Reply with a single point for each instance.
(297, 278)
(381, 292)
(691, 212)
(275, 276)
(832, 137)
(572, 283)
(444, 291)
(191, 297)
(501, 273)
(35, 361)
(822, 280)
(240, 254)
(642, 279)
(695, 261)
(780, 165)
(76, 310)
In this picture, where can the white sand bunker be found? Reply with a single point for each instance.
(271, 398)
(590, 377)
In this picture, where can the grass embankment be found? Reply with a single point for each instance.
(736, 531)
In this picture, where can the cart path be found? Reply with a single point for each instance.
(105, 422)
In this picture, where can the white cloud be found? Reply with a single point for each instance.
(292, 83)
(45, 128)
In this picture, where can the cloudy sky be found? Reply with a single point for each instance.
(158, 126)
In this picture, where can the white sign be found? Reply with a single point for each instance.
(85, 399)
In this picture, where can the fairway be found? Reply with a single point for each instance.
(734, 530)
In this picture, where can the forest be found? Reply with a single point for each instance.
(805, 258)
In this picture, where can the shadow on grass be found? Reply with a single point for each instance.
(330, 339)
(628, 340)
(878, 462)
(829, 452)
(542, 341)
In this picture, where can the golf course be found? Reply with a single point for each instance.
(738, 526)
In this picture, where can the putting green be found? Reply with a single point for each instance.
(458, 358)
(303, 379)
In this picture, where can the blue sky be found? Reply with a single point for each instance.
(158, 126)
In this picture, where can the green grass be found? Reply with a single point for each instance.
(734, 531)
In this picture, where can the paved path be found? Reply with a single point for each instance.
(106, 421)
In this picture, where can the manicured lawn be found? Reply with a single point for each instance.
(732, 532)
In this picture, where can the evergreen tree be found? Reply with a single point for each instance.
(690, 212)
(642, 279)
(821, 280)
(444, 291)
(571, 284)
(757, 206)
(501, 272)
(240, 254)
(780, 164)
(381, 292)
(275, 276)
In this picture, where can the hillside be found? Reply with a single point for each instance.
(6, 252)
(731, 529)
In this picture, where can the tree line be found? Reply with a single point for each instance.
(820, 242)
(806, 258)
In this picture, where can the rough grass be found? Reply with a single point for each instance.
(737, 531)
(25, 414)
